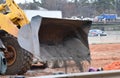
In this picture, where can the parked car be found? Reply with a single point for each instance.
(97, 32)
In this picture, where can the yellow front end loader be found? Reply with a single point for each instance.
(18, 60)
(43, 38)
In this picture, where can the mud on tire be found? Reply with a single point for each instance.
(23, 59)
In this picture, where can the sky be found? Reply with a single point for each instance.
(23, 1)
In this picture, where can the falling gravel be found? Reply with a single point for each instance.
(72, 49)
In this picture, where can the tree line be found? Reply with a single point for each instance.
(85, 8)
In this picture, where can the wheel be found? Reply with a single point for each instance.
(18, 59)
(59, 63)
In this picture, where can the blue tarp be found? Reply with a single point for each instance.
(108, 16)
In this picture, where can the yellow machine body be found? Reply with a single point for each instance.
(10, 20)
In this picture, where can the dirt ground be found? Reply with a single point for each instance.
(101, 54)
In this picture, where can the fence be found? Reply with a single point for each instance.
(106, 27)
(100, 74)
(114, 38)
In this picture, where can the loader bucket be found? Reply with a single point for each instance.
(52, 38)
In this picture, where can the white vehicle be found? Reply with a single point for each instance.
(97, 32)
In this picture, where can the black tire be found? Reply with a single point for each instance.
(22, 59)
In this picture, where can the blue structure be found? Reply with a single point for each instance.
(107, 17)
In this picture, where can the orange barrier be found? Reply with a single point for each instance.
(112, 66)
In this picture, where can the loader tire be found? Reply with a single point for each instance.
(19, 60)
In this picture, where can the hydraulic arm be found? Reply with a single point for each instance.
(13, 16)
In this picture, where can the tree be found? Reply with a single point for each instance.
(53, 4)
(68, 8)
(103, 6)
(29, 6)
(83, 8)
(118, 7)
(1, 1)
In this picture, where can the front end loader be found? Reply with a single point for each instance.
(43, 38)
(17, 59)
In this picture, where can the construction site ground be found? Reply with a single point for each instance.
(101, 54)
